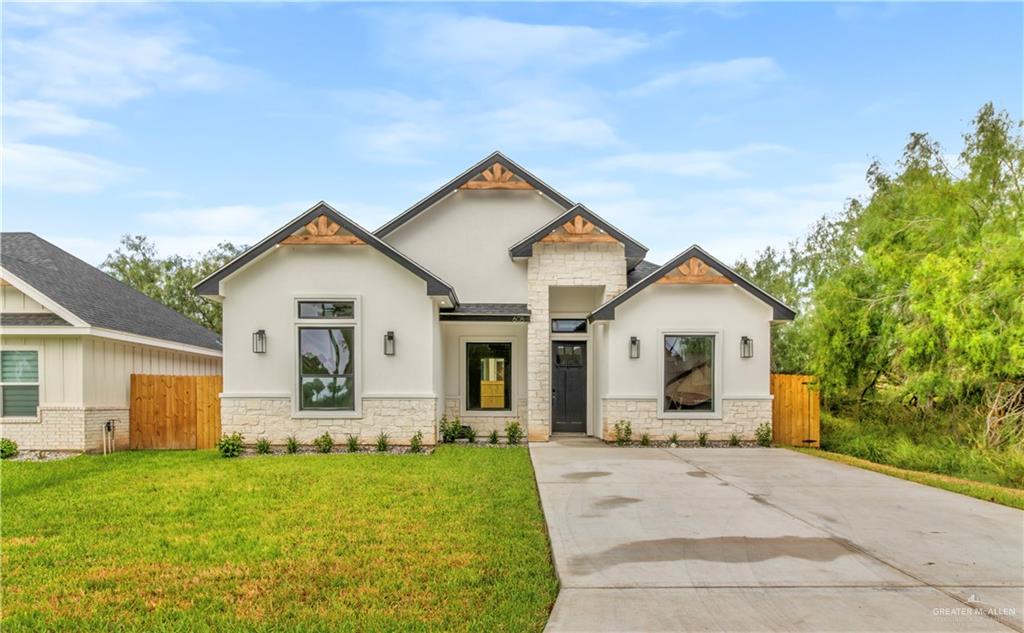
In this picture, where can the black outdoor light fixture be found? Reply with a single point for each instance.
(634, 347)
(389, 343)
(746, 347)
(259, 342)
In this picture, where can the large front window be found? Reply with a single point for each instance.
(489, 376)
(19, 383)
(689, 372)
(327, 368)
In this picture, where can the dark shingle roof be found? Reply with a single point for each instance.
(32, 319)
(642, 269)
(487, 311)
(94, 296)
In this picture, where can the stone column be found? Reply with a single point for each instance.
(538, 355)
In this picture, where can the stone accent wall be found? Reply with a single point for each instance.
(561, 264)
(484, 424)
(67, 429)
(741, 417)
(272, 418)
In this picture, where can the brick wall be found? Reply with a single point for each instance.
(598, 264)
(741, 417)
(67, 429)
(271, 418)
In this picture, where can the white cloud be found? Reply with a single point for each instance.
(489, 45)
(547, 121)
(720, 164)
(38, 167)
(741, 71)
(28, 118)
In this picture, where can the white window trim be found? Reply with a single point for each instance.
(512, 411)
(38, 383)
(299, 323)
(716, 413)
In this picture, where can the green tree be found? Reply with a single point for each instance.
(170, 280)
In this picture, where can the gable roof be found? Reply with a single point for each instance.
(635, 251)
(453, 184)
(92, 295)
(780, 311)
(435, 286)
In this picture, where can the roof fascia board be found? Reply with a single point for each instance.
(780, 311)
(40, 298)
(43, 330)
(446, 189)
(524, 248)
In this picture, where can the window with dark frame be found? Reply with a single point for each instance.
(327, 309)
(569, 326)
(689, 372)
(327, 368)
(488, 376)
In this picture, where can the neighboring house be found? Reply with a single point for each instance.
(495, 298)
(70, 337)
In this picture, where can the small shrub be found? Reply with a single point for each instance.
(416, 443)
(673, 439)
(764, 434)
(734, 440)
(8, 448)
(469, 433)
(352, 443)
(324, 443)
(623, 432)
(645, 439)
(292, 444)
(450, 430)
(493, 437)
(263, 446)
(230, 445)
(513, 432)
(382, 442)
(702, 438)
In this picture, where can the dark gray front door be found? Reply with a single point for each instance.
(569, 386)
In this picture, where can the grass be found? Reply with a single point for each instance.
(186, 541)
(1012, 497)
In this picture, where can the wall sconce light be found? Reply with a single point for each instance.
(634, 347)
(746, 347)
(389, 344)
(259, 342)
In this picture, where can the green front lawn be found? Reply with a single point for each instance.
(192, 541)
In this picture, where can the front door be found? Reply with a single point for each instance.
(569, 386)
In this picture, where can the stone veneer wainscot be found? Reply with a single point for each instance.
(740, 416)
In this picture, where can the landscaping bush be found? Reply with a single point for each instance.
(230, 445)
(645, 439)
(623, 432)
(764, 434)
(673, 439)
(263, 446)
(382, 442)
(702, 438)
(8, 448)
(292, 445)
(450, 430)
(324, 443)
(493, 438)
(469, 433)
(734, 440)
(416, 443)
(513, 432)
(352, 442)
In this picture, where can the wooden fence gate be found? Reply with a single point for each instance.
(174, 411)
(796, 410)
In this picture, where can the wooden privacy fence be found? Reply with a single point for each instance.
(174, 411)
(796, 410)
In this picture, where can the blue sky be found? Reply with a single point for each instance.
(729, 125)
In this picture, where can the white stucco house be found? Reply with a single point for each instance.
(70, 338)
(493, 298)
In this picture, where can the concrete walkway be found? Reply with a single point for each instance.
(743, 539)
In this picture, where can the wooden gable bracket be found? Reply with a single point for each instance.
(578, 231)
(496, 177)
(694, 271)
(323, 230)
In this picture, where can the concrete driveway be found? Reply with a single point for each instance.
(743, 539)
